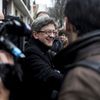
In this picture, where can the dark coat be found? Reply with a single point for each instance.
(81, 82)
(41, 78)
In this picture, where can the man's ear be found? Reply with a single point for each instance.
(35, 35)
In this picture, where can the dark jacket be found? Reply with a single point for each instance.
(41, 77)
(81, 82)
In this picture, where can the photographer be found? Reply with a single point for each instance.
(10, 77)
(10, 68)
(5, 58)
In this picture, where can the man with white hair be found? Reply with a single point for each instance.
(41, 75)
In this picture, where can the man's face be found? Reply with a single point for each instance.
(70, 29)
(47, 34)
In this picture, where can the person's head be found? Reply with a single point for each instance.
(44, 30)
(83, 14)
(64, 38)
(42, 13)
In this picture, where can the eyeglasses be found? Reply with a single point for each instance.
(48, 32)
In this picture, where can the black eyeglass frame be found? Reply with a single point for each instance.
(49, 32)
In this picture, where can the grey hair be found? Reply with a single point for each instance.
(40, 22)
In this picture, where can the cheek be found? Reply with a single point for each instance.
(42, 38)
(48, 41)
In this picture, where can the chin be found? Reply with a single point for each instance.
(49, 45)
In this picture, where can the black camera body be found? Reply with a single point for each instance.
(13, 26)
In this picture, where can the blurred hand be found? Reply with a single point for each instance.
(6, 57)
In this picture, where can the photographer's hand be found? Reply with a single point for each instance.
(6, 57)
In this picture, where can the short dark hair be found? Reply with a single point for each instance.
(84, 14)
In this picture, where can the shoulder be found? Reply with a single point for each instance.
(80, 73)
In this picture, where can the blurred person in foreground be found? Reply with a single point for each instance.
(10, 73)
(10, 77)
(82, 57)
(42, 79)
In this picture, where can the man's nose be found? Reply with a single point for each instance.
(52, 35)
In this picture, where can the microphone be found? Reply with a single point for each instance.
(11, 47)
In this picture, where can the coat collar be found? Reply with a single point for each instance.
(39, 44)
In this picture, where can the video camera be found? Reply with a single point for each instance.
(13, 26)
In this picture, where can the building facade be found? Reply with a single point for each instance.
(19, 8)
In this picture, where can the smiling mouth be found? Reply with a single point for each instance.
(49, 39)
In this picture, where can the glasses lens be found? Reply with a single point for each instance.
(49, 32)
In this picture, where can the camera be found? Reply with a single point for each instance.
(15, 27)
